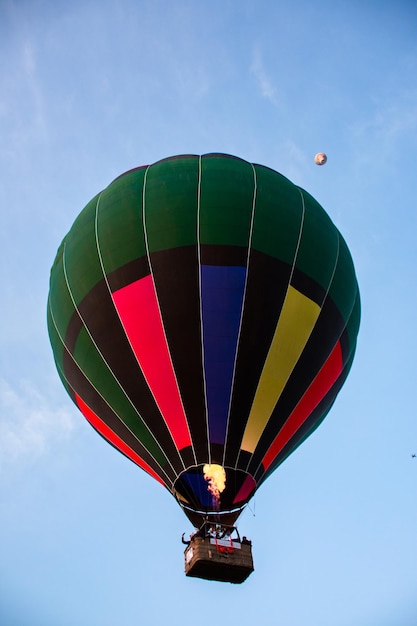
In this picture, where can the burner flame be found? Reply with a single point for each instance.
(215, 475)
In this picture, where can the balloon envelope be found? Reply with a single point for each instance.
(204, 311)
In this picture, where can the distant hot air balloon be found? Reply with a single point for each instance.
(203, 314)
(320, 158)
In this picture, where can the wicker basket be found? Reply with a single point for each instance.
(216, 559)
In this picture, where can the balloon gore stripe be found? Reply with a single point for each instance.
(315, 393)
(222, 298)
(138, 309)
(295, 324)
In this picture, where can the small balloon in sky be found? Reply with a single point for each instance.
(320, 158)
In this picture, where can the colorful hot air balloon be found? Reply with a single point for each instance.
(203, 314)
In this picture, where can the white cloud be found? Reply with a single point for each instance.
(29, 423)
(265, 83)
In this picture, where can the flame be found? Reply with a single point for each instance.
(215, 475)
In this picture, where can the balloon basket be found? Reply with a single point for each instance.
(216, 559)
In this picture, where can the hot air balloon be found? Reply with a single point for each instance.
(203, 314)
(320, 158)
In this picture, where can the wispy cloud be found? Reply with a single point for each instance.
(23, 116)
(29, 423)
(296, 161)
(263, 80)
(30, 72)
(393, 123)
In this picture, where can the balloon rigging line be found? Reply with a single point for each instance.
(104, 360)
(100, 257)
(168, 481)
(201, 307)
(250, 508)
(286, 294)
(162, 324)
(351, 351)
(312, 330)
(248, 256)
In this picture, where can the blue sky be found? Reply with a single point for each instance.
(90, 89)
